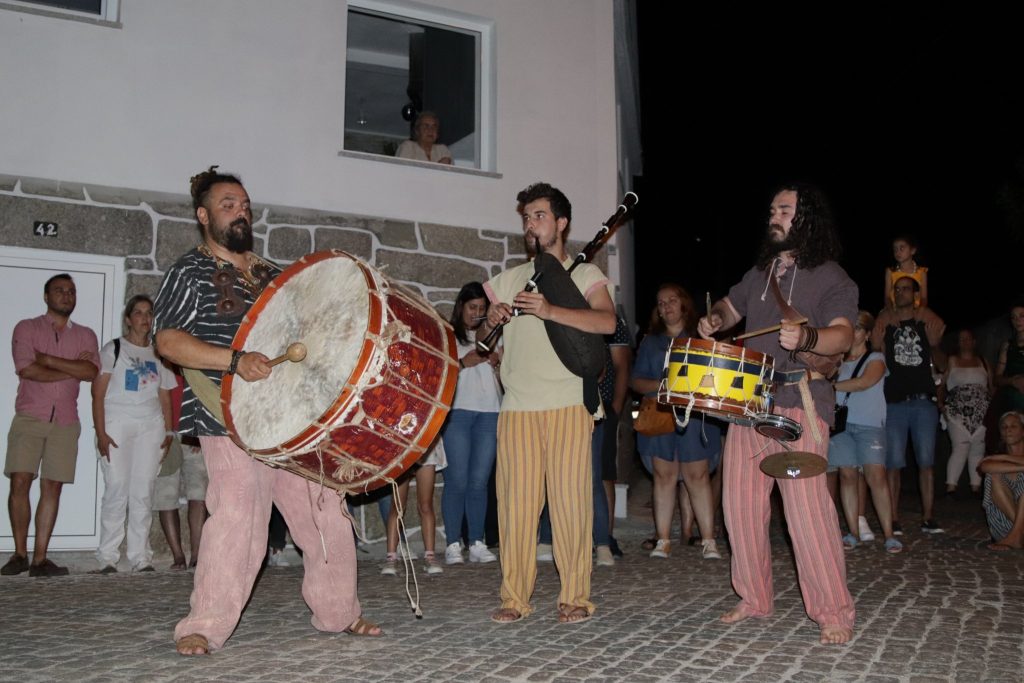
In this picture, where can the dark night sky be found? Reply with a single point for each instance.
(910, 124)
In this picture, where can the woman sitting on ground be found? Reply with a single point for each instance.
(1004, 485)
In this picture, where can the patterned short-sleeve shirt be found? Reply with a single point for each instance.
(207, 297)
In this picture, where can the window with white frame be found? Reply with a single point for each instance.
(97, 11)
(404, 59)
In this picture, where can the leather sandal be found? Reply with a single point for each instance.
(192, 645)
(364, 629)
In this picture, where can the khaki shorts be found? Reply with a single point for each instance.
(191, 477)
(31, 442)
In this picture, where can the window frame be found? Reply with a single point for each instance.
(438, 16)
(109, 15)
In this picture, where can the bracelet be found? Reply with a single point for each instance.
(235, 357)
(170, 433)
(811, 339)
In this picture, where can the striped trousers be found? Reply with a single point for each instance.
(810, 515)
(537, 450)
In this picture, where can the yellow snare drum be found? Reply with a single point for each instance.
(723, 380)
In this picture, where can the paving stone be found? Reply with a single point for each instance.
(288, 244)
(352, 241)
(465, 242)
(655, 621)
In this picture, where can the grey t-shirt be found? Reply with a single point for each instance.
(821, 294)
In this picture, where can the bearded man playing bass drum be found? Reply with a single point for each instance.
(544, 429)
(796, 269)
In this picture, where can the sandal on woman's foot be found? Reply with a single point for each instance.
(849, 542)
(569, 614)
(892, 546)
(193, 644)
(362, 627)
(506, 615)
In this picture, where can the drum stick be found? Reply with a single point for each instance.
(296, 352)
(766, 330)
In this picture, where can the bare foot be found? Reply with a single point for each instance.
(362, 627)
(1002, 547)
(193, 644)
(835, 635)
(506, 615)
(1013, 542)
(736, 615)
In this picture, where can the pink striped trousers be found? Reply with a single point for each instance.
(235, 543)
(810, 514)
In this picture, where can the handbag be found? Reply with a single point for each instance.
(654, 419)
(841, 409)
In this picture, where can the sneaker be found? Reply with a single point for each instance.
(478, 552)
(47, 568)
(431, 564)
(146, 568)
(453, 554)
(604, 556)
(897, 528)
(390, 567)
(662, 549)
(275, 558)
(709, 550)
(544, 553)
(109, 569)
(930, 526)
(16, 565)
(864, 530)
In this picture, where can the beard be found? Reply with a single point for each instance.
(236, 237)
(776, 239)
(534, 246)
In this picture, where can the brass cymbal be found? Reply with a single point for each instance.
(793, 465)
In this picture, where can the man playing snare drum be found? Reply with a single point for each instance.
(544, 429)
(798, 253)
(200, 306)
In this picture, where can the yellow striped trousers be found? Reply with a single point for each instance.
(537, 450)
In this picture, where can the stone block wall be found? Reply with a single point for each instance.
(151, 230)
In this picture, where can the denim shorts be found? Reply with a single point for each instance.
(856, 446)
(920, 419)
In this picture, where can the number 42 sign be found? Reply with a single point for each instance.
(44, 229)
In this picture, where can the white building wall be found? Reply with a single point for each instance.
(257, 86)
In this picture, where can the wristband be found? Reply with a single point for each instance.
(235, 357)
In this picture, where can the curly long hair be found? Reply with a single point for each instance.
(657, 325)
(469, 291)
(814, 236)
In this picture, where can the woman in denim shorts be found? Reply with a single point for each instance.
(861, 446)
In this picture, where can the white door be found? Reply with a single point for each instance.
(100, 284)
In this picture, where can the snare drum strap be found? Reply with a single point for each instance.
(206, 391)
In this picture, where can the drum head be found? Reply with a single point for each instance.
(778, 427)
(324, 304)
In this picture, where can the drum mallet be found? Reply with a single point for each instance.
(296, 352)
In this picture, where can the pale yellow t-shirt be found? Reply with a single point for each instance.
(533, 376)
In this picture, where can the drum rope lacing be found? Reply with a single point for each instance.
(403, 540)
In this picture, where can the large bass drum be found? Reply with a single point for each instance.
(375, 386)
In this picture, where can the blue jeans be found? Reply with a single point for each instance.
(918, 418)
(601, 536)
(471, 446)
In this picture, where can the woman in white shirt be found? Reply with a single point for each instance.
(131, 408)
(471, 432)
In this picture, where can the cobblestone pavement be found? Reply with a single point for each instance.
(946, 609)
